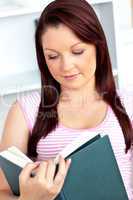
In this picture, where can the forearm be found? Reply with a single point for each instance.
(6, 195)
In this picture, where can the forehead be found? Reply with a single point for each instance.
(59, 36)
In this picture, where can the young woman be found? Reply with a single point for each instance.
(78, 94)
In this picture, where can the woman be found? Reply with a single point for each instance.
(76, 77)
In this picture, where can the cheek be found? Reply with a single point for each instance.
(50, 66)
(89, 65)
(91, 70)
(53, 70)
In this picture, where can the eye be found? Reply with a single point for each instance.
(78, 52)
(52, 57)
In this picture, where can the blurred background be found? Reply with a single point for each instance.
(18, 66)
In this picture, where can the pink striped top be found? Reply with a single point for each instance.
(62, 136)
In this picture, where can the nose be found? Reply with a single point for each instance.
(66, 64)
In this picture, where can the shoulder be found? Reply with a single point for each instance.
(29, 103)
(126, 96)
(29, 100)
(32, 97)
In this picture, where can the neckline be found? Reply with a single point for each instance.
(92, 128)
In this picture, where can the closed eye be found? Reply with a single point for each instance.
(78, 52)
(52, 57)
(75, 53)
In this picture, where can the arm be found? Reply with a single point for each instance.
(44, 185)
(16, 133)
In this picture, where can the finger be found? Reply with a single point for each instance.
(27, 170)
(60, 176)
(50, 171)
(41, 171)
(68, 163)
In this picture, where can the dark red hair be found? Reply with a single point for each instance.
(80, 17)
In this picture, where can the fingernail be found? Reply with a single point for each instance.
(37, 162)
(69, 160)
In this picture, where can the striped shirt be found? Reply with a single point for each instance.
(62, 136)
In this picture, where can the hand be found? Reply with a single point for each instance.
(43, 185)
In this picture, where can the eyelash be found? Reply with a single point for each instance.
(54, 57)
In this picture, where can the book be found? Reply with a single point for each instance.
(12, 160)
(93, 173)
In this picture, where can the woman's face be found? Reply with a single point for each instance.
(70, 61)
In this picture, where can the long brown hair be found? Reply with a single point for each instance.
(80, 17)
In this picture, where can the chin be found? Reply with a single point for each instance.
(73, 85)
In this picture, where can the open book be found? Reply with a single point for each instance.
(93, 173)
(14, 155)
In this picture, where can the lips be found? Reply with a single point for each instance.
(69, 76)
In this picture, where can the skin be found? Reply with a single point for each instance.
(70, 56)
(43, 185)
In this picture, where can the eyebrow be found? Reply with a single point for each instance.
(57, 51)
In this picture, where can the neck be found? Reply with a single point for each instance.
(84, 95)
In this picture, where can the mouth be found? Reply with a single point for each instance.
(71, 76)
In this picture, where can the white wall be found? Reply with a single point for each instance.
(124, 39)
(16, 44)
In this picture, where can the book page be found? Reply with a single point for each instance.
(16, 158)
(17, 152)
(14, 155)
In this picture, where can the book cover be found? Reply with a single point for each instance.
(94, 174)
